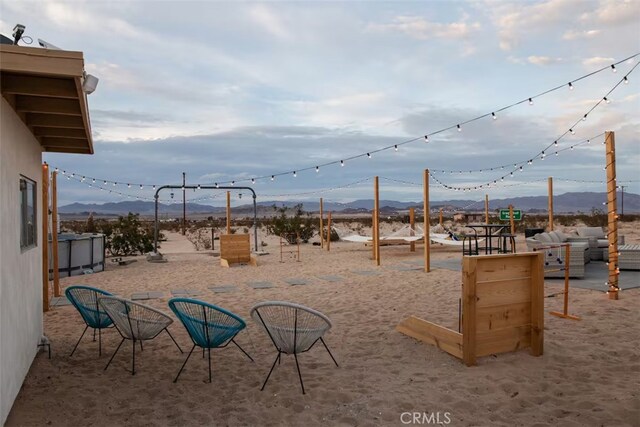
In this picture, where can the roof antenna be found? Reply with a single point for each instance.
(18, 30)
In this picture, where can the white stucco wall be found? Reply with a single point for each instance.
(20, 271)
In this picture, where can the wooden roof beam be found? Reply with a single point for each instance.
(54, 121)
(35, 104)
(38, 86)
(60, 132)
(60, 142)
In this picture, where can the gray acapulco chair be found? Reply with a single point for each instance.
(293, 329)
(136, 322)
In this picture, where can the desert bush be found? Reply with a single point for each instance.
(300, 223)
(129, 236)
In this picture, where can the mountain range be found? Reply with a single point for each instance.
(575, 202)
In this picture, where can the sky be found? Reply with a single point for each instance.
(234, 90)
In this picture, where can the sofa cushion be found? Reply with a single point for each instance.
(555, 237)
(596, 232)
(603, 243)
(563, 237)
(543, 237)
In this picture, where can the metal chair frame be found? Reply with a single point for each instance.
(295, 352)
(76, 304)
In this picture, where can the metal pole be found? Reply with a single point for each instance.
(621, 200)
(207, 187)
(155, 227)
(184, 202)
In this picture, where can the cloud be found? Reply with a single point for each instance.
(543, 60)
(614, 12)
(597, 61)
(422, 29)
(269, 21)
(576, 35)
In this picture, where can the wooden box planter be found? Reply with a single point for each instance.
(235, 249)
(503, 306)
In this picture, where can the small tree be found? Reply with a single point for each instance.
(91, 225)
(129, 237)
(299, 224)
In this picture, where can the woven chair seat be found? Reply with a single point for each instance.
(134, 320)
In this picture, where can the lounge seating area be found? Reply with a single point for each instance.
(552, 242)
(292, 328)
(597, 239)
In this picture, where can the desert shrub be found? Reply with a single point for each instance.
(300, 223)
(334, 234)
(129, 236)
(597, 218)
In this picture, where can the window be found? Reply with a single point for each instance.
(28, 214)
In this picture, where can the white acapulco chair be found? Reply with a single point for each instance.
(136, 322)
(293, 329)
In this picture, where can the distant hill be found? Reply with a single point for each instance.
(562, 203)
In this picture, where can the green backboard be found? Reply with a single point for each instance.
(504, 214)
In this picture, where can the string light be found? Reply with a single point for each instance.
(613, 68)
(317, 169)
(395, 147)
(295, 174)
(494, 116)
(426, 139)
(572, 131)
(368, 155)
(607, 100)
(459, 125)
(253, 181)
(273, 177)
(584, 117)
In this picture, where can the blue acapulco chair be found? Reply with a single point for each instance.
(208, 326)
(85, 300)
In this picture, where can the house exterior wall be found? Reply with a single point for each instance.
(20, 270)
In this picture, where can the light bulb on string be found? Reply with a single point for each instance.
(556, 153)
(295, 174)
(141, 186)
(216, 184)
(459, 128)
(426, 138)
(613, 68)
(199, 187)
(395, 147)
(493, 115)
(233, 183)
(572, 147)
(570, 86)
(115, 183)
(253, 181)
(625, 80)
(369, 155)
(273, 177)
(555, 143)
(128, 185)
(341, 162)
(584, 117)
(317, 169)
(93, 180)
(607, 100)
(573, 132)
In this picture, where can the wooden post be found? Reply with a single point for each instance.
(612, 215)
(228, 212)
(441, 222)
(427, 238)
(376, 214)
(550, 203)
(565, 310)
(213, 239)
(513, 224)
(54, 233)
(329, 231)
(373, 233)
(486, 209)
(412, 219)
(321, 226)
(537, 304)
(469, 300)
(45, 237)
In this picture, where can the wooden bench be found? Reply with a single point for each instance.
(503, 309)
(236, 249)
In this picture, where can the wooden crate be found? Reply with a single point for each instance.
(503, 309)
(235, 249)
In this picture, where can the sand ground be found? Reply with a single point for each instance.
(589, 374)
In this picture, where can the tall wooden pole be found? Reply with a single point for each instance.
(184, 203)
(228, 212)
(412, 220)
(612, 215)
(45, 237)
(486, 209)
(376, 215)
(550, 203)
(321, 226)
(54, 233)
(329, 231)
(427, 238)
(513, 224)
(441, 221)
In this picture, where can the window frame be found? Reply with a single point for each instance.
(26, 243)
